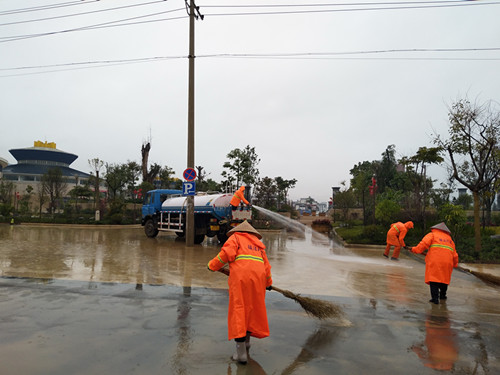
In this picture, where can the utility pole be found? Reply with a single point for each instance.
(190, 229)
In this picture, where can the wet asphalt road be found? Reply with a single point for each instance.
(111, 301)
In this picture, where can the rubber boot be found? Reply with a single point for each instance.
(434, 292)
(247, 341)
(241, 353)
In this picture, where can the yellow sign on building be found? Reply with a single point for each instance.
(45, 144)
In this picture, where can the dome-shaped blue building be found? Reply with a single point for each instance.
(34, 162)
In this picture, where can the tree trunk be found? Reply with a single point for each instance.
(145, 156)
(477, 223)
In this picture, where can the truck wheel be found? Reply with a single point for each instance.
(199, 238)
(222, 237)
(150, 228)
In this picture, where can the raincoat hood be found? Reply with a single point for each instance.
(245, 227)
(441, 226)
(409, 224)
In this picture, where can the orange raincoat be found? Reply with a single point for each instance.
(238, 197)
(397, 233)
(441, 257)
(249, 275)
(395, 237)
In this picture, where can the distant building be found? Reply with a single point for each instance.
(309, 206)
(34, 162)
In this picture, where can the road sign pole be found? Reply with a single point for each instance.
(190, 157)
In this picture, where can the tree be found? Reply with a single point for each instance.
(242, 167)
(283, 186)
(362, 174)
(206, 184)
(145, 148)
(6, 192)
(464, 200)
(54, 186)
(416, 170)
(488, 197)
(166, 173)
(454, 216)
(132, 173)
(80, 192)
(441, 196)
(6, 195)
(42, 197)
(386, 210)
(96, 166)
(344, 200)
(266, 193)
(473, 150)
(25, 200)
(116, 180)
(385, 170)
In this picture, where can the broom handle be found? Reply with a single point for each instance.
(225, 271)
(479, 275)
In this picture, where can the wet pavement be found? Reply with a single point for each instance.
(88, 300)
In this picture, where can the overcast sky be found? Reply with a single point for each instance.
(315, 89)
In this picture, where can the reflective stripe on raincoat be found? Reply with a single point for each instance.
(249, 275)
(441, 257)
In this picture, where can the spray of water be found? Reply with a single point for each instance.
(287, 222)
(312, 237)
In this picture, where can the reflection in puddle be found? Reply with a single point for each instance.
(439, 350)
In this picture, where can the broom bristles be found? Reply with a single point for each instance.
(486, 277)
(315, 307)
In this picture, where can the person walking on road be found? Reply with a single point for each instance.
(238, 197)
(249, 277)
(440, 260)
(395, 237)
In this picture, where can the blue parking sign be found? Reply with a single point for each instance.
(188, 188)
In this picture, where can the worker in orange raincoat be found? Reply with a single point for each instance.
(249, 277)
(395, 237)
(238, 197)
(440, 260)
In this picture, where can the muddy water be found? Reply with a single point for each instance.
(304, 262)
(393, 325)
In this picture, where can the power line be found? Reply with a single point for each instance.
(103, 25)
(122, 22)
(86, 65)
(399, 6)
(46, 7)
(348, 55)
(81, 13)
(385, 51)
(333, 4)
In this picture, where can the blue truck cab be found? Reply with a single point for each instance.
(153, 200)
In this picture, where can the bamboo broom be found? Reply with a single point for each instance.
(314, 307)
(486, 277)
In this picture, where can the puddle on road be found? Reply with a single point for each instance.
(389, 297)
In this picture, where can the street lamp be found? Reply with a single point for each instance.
(335, 190)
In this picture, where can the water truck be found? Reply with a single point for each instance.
(165, 211)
